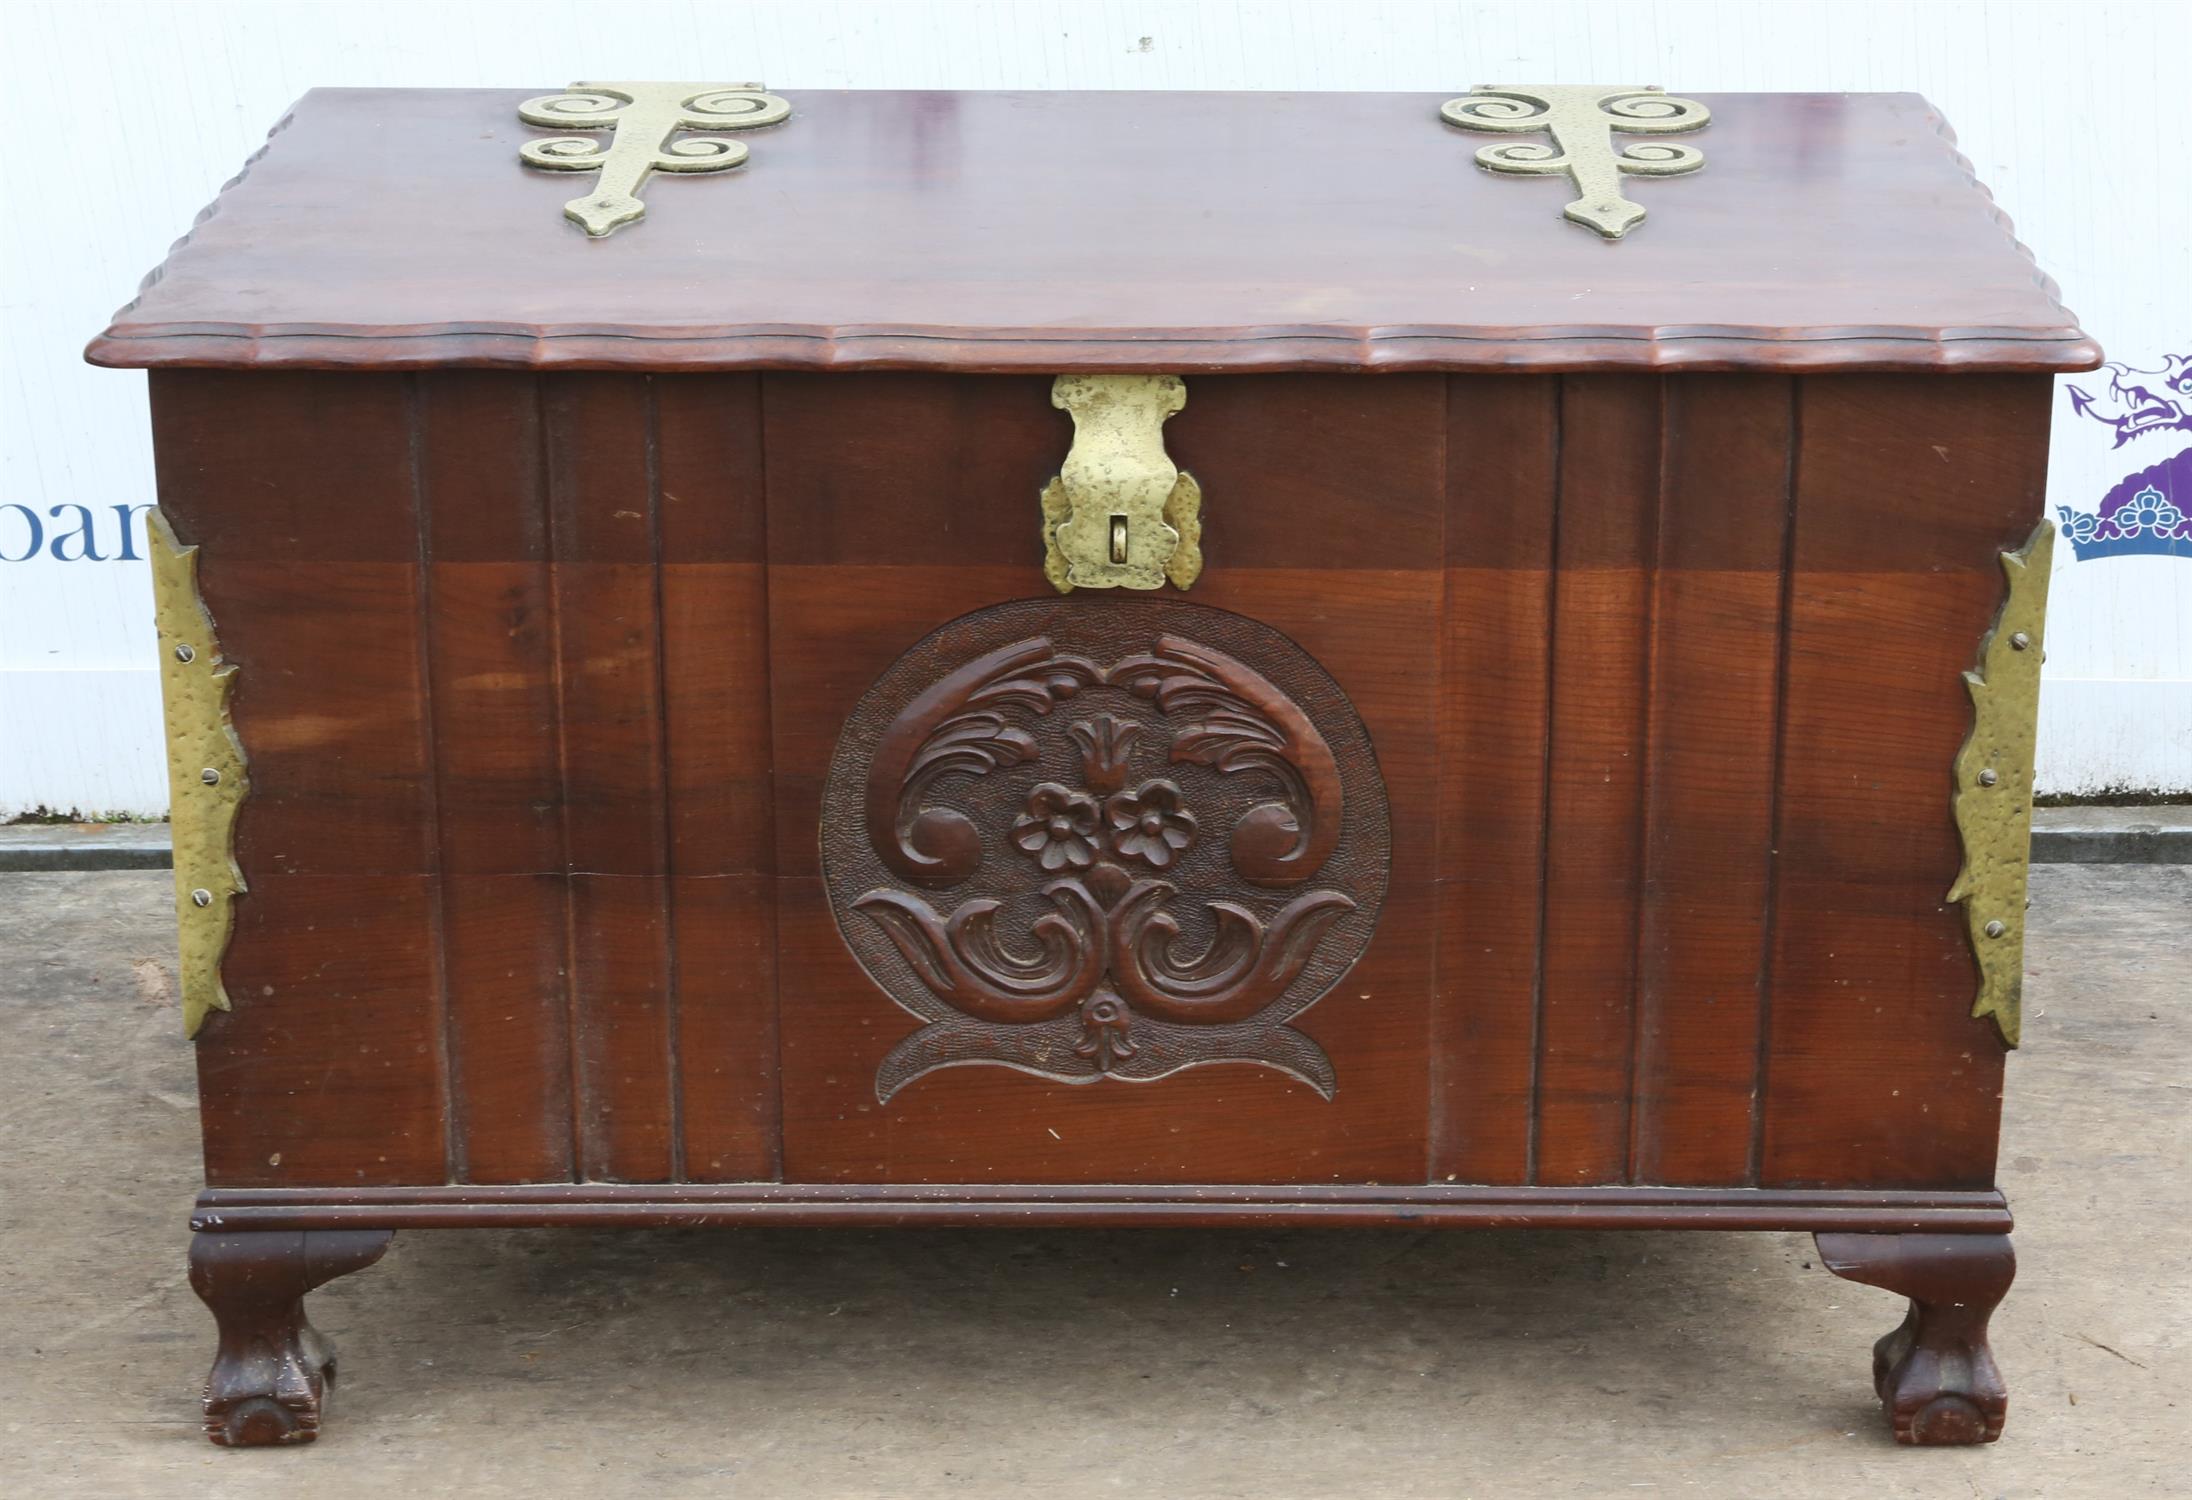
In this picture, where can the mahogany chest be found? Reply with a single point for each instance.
(888, 658)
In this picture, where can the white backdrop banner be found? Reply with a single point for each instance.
(2072, 113)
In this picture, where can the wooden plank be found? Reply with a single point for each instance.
(491, 624)
(1502, 442)
(715, 623)
(1315, 471)
(620, 973)
(323, 1074)
(1605, 541)
(721, 834)
(330, 705)
(508, 1025)
(291, 468)
(299, 489)
(1709, 813)
(727, 1026)
(910, 470)
(492, 685)
(1907, 491)
(603, 520)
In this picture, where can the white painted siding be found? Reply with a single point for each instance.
(2073, 113)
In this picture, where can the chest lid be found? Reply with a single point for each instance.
(1177, 232)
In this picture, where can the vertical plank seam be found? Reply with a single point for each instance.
(1643, 997)
(574, 1062)
(454, 1166)
(1545, 782)
(773, 1032)
(1770, 936)
(672, 1010)
(1439, 1027)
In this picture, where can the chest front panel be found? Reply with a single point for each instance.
(1563, 799)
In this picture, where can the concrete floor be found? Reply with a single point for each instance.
(1163, 1363)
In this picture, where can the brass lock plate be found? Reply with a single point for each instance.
(1120, 514)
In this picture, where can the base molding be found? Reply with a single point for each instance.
(635, 1205)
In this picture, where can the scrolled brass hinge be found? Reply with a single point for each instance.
(205, 772)
(1993, 796)
(1120, 514)
(1582, 122)
(647, 125)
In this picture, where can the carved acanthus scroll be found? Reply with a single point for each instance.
(1139, 833)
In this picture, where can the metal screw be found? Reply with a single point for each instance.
(204, 897)
(2019, 641)
(185, 653)
(212, 777)
(1987, 777)
(1995, 929)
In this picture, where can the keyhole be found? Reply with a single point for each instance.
(1118, 539)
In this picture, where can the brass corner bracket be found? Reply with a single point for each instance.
(205, 772)
(642, 118)
(1120, 514)
(1993, 796)
(1582, 122)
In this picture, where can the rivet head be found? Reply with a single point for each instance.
(212, 777)
(1995, 929)
(2019, 641)
(1987, 777)
(186, 653)
(204, 897)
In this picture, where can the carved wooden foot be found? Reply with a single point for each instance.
(271, 1375)
(1935, 1374)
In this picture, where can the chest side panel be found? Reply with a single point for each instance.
(1702, 656)
(1907, 492)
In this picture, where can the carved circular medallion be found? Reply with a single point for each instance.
(1105, 838)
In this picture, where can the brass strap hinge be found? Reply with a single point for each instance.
(205, 772)
(1120, 514)
(1583, 122)
(1993, 796)
(647, 122)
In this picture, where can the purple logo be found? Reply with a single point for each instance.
(2145, 512)
(2140, 402)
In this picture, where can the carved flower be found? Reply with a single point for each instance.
(1149, 824)
(1058, 828)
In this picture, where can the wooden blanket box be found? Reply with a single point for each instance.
(860, 658)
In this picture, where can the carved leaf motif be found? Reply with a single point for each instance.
(1226, 740)
(958, 725)
(1244, 723)
(963, 959)
(1246, 968)
(1039, 691)
(973, 743)
(1105, 972)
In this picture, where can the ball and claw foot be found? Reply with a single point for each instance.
(271, 1376)
(1935, 1374)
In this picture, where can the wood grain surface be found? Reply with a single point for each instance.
(540, 677)
(1176, 232)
